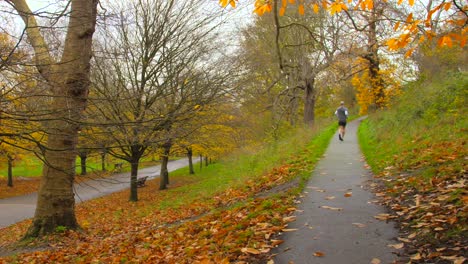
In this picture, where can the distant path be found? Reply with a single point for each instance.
(18, 208)
(351, 235)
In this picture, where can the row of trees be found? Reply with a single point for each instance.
(146, 84)
(146, 76)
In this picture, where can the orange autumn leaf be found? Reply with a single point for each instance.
(301, 9)
(316, 8)
(319, 254)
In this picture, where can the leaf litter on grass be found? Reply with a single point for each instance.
(114, 230)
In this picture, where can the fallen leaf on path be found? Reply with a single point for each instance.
(319, 254)
(271, 261)
(404, 240)
(383, 216)
(375, 261)
(359, 225)
(397, 246)
(275, 242)
(320, 190)
(331, 208)
(250, 251)
(416, 257)
(329, 197)
(348, 194)
(289, 219)
(289, 229)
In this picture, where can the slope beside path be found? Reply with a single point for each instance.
(19, 208)
(335, 221)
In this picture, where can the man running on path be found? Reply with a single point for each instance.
(342, 114)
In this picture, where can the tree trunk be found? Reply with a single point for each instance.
(10, 172)
(164, 175)
(190, 156)
(103, 160)
(374, 62)
(133, 180)
(83, 157)
(69, 82)
(309, 102)
(206, 161)
(201, 161)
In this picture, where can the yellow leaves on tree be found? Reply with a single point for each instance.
(375, 92)
(410, 30)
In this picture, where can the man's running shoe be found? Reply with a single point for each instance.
(339, 136)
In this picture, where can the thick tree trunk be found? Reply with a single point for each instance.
(10, 172)
(190, 160)
(164, 175)
(69, 81)
(133, 180)
(83, 158)
(309, 102)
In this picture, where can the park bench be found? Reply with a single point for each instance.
(141, 181)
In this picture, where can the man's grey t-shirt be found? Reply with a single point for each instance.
(342, 113)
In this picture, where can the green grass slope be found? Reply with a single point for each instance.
(418, 148)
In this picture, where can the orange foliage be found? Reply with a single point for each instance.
(410, 29)
(369, 91)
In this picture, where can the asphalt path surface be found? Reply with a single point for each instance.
(335, 222)
(15, 209)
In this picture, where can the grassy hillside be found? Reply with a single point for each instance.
(418, 147)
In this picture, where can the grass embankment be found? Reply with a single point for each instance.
(418, 148)
(230, 211)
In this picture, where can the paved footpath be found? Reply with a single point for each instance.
(336, 213)
(15, 209)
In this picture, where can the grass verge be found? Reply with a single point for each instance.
(418, 149)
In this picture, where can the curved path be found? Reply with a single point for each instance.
(18, 208)
(336, 223)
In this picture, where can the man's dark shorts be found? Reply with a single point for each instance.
(342, 123)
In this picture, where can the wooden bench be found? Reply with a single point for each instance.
(141, 181)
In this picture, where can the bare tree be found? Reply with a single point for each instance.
(148, 76)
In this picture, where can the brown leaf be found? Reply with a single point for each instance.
(289, 219)
(289, 229)
(275, 242)
(331, 208)
(348, 194)
(383, 216)
(250, 251)
(404, 240)
(319, 254)
(375, 261)
(416, 257)
(397, 246)
(329, 197)
(359, 225)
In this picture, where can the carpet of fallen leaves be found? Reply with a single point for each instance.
(21, 186)
(236, 226)
(426, 190)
